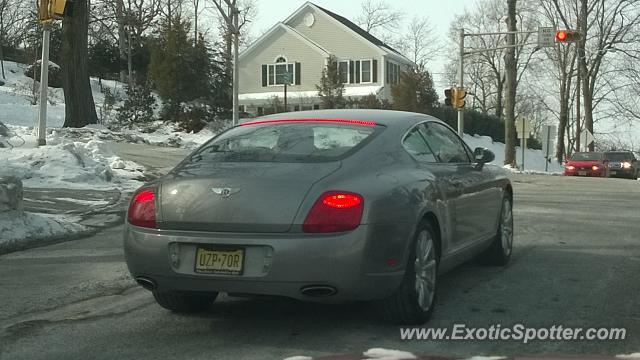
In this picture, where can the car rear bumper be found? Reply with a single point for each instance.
(589, 173)
(622, 172)
(354, 264)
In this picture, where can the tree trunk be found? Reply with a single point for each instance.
(578, 117)
(80, 109)
(122, 42)
(582, 60)
(511, 70)
(196, 6)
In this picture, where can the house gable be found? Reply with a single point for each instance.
(338, 34)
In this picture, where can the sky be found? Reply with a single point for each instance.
(440, 14)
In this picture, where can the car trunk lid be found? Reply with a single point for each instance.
(238, 196)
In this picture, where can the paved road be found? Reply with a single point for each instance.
(576, 263)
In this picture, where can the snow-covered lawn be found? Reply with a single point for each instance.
(534, 161)
(18, 230)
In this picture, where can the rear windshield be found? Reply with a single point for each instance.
(286, 142)
(587, 156)
(619, 156)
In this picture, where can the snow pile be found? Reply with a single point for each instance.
(21, 229)
(534, 161)
(166, 134)
(634, 356)
(385, 354)
(69, 164)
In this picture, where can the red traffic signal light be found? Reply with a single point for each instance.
(568, 36)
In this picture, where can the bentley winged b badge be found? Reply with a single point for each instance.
(225, 192)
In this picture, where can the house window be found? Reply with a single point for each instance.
(343, 70)
(393, 73)
(277, 71)
(365, 71)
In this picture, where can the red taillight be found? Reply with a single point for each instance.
(334, 212)
(142, 210)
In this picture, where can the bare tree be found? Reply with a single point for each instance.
(420, 42)
(511, 69)
(486, 70)
(378, 16)
(13, 17)
(605, 25)
(234, 17)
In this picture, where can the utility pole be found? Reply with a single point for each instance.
(461, 84)
(44, 84)
(236, 78)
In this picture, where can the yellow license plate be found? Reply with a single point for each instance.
(582, 173)
(219, 261)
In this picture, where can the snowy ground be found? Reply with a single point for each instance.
(18, 230)
(534, 161)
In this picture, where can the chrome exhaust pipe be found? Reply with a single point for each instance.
(146, 283)
(318, 291)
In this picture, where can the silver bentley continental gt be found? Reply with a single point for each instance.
(327, 206)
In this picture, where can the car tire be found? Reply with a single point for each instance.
(185, 302)
(414, 300)
(499, 253)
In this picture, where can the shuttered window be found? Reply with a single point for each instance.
(274, 74)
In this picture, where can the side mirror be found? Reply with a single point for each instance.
(482, 156)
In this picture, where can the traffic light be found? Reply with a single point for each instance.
(458, 98)
(568, 36)
(60, 8)
(44, 14)
(448, 95)
(49, 10)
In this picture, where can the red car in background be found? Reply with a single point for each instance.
(586, 164)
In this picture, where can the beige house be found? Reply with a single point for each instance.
(302, 45)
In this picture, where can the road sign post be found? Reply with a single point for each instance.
(461, 84)
(44, 85)
(288, 80)
(548, 136)
(523, 129)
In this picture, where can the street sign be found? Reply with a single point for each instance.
(524, 128)
(288, 78)
(586, 138)
(546, 37)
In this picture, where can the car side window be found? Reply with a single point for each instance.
(446, 145)
(416, 145)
